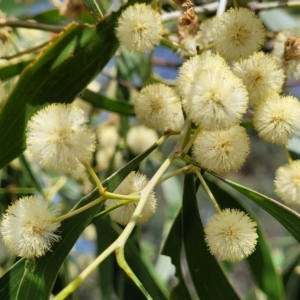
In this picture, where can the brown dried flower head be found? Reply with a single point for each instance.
(291, 49)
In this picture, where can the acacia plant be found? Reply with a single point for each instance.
(91, 135)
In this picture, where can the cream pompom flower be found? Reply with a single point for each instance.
(231, 235)
(158, 106)
(217, 99)
(58, 138)
(139, 28)
(107, 154)
(287, 183)
(238, 33)
(262, 76)
(222, 150)
(27, 229)
(133, 183)
(140, 138)
(277, 119)
(198, 63)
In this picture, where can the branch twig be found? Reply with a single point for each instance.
(257, 6)
(31, 25)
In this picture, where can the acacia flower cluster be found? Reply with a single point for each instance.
(261, 74)
(277, 119)
(108, 139)
(287, 183)
(213, 91)
(139, 28)
(140, 138)
(217, 150)
(231, 235)
(27, 227)
(59, 139)
(133, 183)
(238, 33)
(158, 106)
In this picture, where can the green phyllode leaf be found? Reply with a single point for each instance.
(13, 69)
(173, 249)
(35, 280)
(284, 215)
(209, 280)
(62, 71)
(107, 232)
(101, 101)
(260, 261)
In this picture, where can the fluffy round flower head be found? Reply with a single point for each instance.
(27, 229)
(222, 150)
(287, 51)
(133, 183)
(187, 72)
(157, 106)
(205, 32)
(58, 138)
(140, 138)
(231, 235)
(217, 99)
(277, 119)
(262, 75)
(139, 28)
(238, 33)
(287, 183)
(108, 135)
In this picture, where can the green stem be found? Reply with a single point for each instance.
(31, 25)
(208, 191)
(121, 240)
(118, 204)
(94, 9)
(144, 197)
(172, 174)
(131, 197)
(288, 155)
(207, 47)
(77, 211)
(74, 284)
(28, 51)
(95, 178)
(176, 46)
(123, 264)
(190, 143)
(13, 190)
(50, 193)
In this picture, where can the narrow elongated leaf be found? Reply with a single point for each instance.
(142, 269)
(93, 8)
(65, 67)
(108, 268)
(209, 280)
(172, 248)
(37, 279)
(101, 101)
(286, 216)
(12, 69)
(260, 261)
